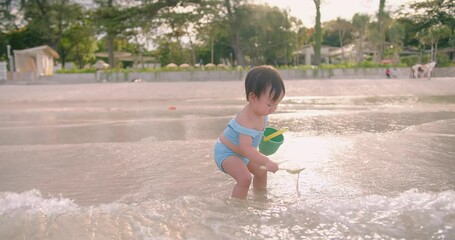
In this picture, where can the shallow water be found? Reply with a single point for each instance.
(376, 168)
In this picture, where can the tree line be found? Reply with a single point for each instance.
(237, 32)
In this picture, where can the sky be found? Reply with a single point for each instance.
(331, 9)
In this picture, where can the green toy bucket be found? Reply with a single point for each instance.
(271, 146)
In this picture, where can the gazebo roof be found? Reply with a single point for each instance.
(34, 50)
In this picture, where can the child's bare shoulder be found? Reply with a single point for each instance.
(242, 120)
(245, 121)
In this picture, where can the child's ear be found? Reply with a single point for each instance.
(251, 97)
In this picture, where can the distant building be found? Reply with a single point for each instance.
(329, 54)
(35, 62)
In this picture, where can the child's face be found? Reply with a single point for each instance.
(264, 104)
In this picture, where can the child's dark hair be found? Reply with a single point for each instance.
(261, 77)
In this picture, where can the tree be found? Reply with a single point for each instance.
(342, 28)
(9, 18)
(395, 36)
(262, 34)
(233, 18)
(114, 18)
(300, 34)
(25, 37)
(360, 23)
(51, 19)
(80, 43)
(215, 41)
(55, 23)
(318, 33)
(184, 23)
(376, 34)
(432, 12)
(381, 29)
(170, 52)
(430, 24)
(268, 35)
(432, 36)
(72, 29)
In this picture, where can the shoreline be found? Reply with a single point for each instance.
(143, 91)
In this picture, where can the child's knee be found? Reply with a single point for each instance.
(244, 180)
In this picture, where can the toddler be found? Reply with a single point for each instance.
(236, 150)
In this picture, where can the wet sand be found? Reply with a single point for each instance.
(220, 90)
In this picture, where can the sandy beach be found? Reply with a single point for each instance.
(221, 89)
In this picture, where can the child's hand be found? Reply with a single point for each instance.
(271, 166)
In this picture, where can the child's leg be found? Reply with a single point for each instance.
(235, 167)
(260, 176)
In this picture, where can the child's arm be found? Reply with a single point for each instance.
(247, 150)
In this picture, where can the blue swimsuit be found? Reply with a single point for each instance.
(231, 133)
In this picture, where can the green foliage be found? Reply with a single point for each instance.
(148, 70)
(434, 17)
(170, 52)
(221, 31)
(3, 44)
(444, 61)
(337, 32)
(409, 60)
(77, 42)
(365, 64)
(84, 70)
(267, 35)
(25, 38)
